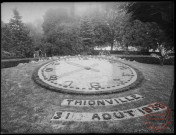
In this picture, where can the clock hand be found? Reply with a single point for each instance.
(75, 64)
(68, 73)
(89, 68)
(85, 67)
(74, 71)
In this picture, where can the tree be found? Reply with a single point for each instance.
(123, 25)
(36, 34)
(61, 32)
(158, 12)
(22, 43)
(86, 33)
(101, 34)
(116, 18)
(100, 28)
(52, 18)
(142, 35)
(70, 42)
(6, 40)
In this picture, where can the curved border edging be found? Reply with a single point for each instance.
(37, 80)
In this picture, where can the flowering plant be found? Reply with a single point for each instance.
(164, 54)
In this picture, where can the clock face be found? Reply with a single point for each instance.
(86, 74)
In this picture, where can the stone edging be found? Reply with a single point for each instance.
(37, 80)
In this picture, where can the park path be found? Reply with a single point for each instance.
(28, 108)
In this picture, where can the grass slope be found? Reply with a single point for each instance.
(27, 108)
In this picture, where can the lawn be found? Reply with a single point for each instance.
(27, 108)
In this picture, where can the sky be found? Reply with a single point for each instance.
(33, 11)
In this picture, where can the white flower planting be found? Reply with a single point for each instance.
(33, 62)
(55, 58)
(155, 55)
(21, 64)
(164, 54)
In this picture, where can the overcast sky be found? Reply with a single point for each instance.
(32, 11)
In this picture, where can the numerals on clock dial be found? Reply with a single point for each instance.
(67, 83)
(95, 85)
(123, 67)
(53, 77)
(87, 74)
(52, 63)
(48, 69)
(126, 74)
(112, 61)
(120, 82)
(57, 63)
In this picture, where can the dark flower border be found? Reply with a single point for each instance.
(135, 84)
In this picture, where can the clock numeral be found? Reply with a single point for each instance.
(49, 69)
(123, 74)
(52, 63)
(123, 67)
(85, 58)
(57, 115)
(57, 63)
(112, 61)
(119, 81)
(53, 77)
(95, 85)
(67, 83)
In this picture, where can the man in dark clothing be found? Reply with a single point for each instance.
(40, 54)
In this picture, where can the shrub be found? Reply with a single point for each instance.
(10, 63)
(164, 54)
(149, 60)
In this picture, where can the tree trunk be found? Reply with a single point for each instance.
(162, 61)
(112, 44)
(126, 49)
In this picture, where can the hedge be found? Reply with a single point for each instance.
(149, 60)
(13, 63)
(95, 52)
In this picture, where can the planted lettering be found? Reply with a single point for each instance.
(48, 69)
(53, 77)
(95, 85)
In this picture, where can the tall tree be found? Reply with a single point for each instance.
(20, 35)
(36, 34)
(61, 32)
(142, 35)
(6, 40)
(159, 12)
(86, 33)
(116, 18)
(100, 27)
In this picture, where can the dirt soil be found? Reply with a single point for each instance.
(27, 107)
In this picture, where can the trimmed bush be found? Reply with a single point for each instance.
(96, 52)
(13, 63)
(8, 64)
(149, 60)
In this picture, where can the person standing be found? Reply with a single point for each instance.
(40, 54)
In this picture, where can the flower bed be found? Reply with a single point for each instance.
(140, 58)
